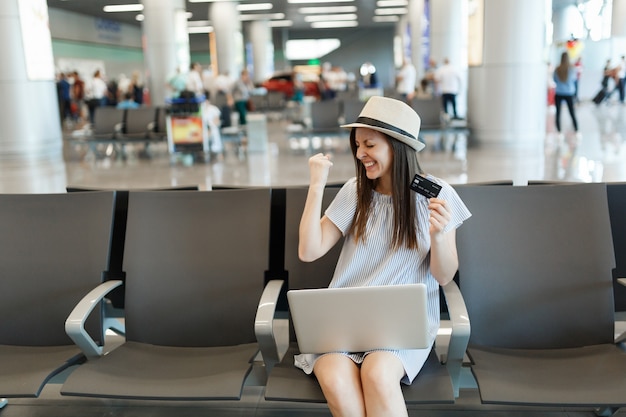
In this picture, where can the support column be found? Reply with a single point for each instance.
(448, 39)
(31, 128)
(166, 44)
(507, 94)
(415, 21)
(224, 17)
(262, 50)
(401, 42)
(618, 19)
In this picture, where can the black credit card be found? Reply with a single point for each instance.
(425, 187)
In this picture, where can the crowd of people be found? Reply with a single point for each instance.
(78, 97)
(564, 84)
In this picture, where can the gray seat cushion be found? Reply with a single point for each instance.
(137, 370)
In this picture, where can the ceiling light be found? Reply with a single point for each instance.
(384, 19)
(335, 24)
(331, 9)
(196, 23)
(117, 8)
(396, 10)
(329, 17)
(140, 17)
(264, 16)
(392, 3)
(304, 49)
(200, 29)
(317, 1)
(254, 6)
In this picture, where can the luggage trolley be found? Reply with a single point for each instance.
(186, 134)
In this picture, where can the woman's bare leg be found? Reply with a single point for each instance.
(340, 380)
(381, 373)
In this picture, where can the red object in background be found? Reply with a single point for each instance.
(146, 97)
(284, 84)
(551, 93)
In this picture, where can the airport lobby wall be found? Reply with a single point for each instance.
(86, 43)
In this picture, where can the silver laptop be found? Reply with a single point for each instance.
(360, 319)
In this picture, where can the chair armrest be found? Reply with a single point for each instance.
(460, 335)
(264, 324)
(75, 323)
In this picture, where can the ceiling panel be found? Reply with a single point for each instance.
(365, 10)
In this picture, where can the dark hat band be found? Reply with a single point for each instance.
(383, 125)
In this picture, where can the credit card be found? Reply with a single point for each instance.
(425, 187)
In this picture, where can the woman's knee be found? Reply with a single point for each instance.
(336, 373)
(381, 372)
(338, 377)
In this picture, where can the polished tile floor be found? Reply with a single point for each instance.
(598, 155)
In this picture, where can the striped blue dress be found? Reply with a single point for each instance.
(373, 262)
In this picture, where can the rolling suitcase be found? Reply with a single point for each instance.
(600, 96)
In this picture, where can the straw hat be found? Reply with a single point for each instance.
(392, 117)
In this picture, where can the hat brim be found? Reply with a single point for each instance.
(413, 143)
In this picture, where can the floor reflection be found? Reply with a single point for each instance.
(596, 154)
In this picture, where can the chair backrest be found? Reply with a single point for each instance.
(429, 111)
(140, 121)
(260, 102)
(304, 275)
(325, 115)
(195, 263)
(54, 250)
(616, 193)
(108, 121)
(535, 265)
(160, 129)
(275, 100)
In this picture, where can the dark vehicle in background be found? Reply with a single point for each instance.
(284, 83)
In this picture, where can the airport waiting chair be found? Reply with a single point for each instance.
(535, 273)
(325, 117)
(616, 193)
(286, 383)
(54, 251)
(106, 130)
(108, 123)
(114, 303)
(139, 124)
(194, 264)
(351, 109)
(276, 101)
(430, 113)
(160, 128)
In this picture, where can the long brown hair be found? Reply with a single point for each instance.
(404, 166)
(562, 71)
